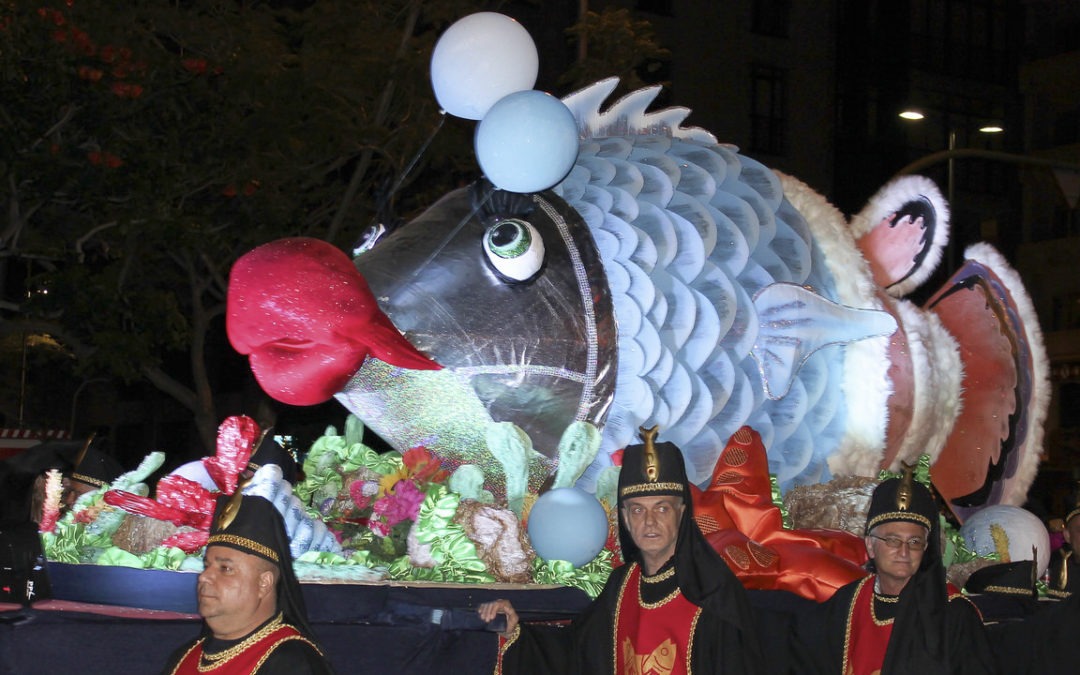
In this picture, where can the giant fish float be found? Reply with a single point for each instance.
(668, 279)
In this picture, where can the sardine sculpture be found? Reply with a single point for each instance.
(669, 280)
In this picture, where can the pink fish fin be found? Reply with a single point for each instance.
(992, 453)
(902, 232)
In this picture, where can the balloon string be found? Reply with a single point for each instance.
(412, 163)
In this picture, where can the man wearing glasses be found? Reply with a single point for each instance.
(904, 617)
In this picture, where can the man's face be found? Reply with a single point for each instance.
(236, 592)
(71, 491)
(895, 566)
(1072, 533)
(653, 523)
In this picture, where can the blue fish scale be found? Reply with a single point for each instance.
(688, 232)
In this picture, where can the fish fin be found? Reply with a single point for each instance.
(902, 232)
(627, 116)
(795, 322)
(992, 454)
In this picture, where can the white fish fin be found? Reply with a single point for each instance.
(795, 322)
(627, 116)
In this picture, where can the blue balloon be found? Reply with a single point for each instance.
(527, 142)
(480, 59)
(568, 524)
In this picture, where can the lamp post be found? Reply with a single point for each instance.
(914, 115)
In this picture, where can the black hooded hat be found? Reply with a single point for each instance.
(658, 469)
(252, 525)
(1073, 513)
(272, 452)
(902, 499)
(94, 467)
(1011, 578)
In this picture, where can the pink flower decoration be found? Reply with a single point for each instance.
(403, 503)
(380, 528)
(356, 491)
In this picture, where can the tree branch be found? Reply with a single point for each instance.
(380, 119)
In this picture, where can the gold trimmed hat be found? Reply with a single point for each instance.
(1073, 513)
(652, 469)
(1012, 578)
(902, 499)
(249, 525)
(272, 452)
(94, 467)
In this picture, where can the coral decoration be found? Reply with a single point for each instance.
(51, 507)
(236, 441)
(184, 502)
(739, 519)
(144, 506)
(188, 542)
(187, 495)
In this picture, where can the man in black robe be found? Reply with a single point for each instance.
(93, 470)
(904, 617)
(254, 616)
(675, 607)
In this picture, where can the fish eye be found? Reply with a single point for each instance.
(514, 248)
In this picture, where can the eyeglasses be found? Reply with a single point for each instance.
(913, 544)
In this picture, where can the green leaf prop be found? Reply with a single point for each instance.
(590, 577)
(512, 447)
(577, 449)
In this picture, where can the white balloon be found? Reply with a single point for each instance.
(1021, 528)
(479, 60)
(195, 471)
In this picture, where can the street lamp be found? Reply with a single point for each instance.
(953, 153)
(916, 115)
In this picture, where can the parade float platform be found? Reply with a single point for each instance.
(104, 619)
(114, 619)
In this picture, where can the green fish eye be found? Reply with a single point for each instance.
(514, 248)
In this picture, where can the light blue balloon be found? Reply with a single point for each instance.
(568, 524)
(527, 142)
(480, 59)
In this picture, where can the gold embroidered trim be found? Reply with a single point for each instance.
(618, 613)
(1072, 514)
(899, 515)
(663, 576)
(850, 617)
(690, 643)
(659, 603)
(891, 599)
(650, 487)
(183, 658)
(512, 638)
(214, 661)
(280, 642)
(873, 614)
(1009, 591)
(251, 545)
(88, 480)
